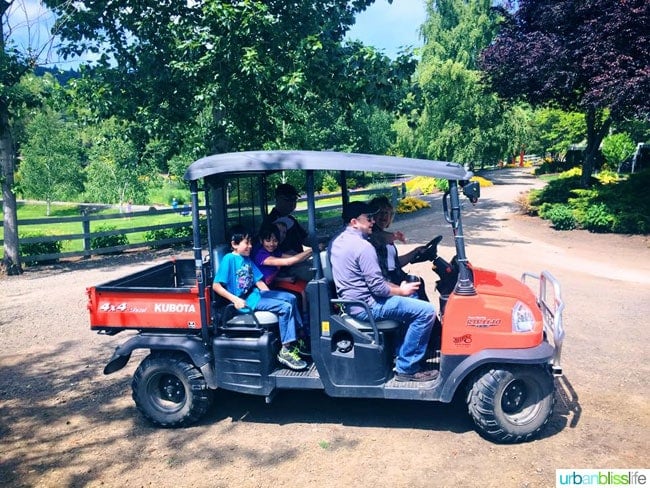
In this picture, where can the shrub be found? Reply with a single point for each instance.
(607, 177)
(421, 185)
(38, 248)
(558, 190)
(442, 185)
(100, 242)
(633, 223)
(561, 216)
(170, 233)
(483, 182)
(598, 218)
(411, 204)
(525, 206)
(553, 165)
(330, 185)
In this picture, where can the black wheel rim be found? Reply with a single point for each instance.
(521, 401)
(167, 392)
(514, 397)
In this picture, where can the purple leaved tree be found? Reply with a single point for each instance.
(591, 56)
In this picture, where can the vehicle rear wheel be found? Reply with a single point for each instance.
(511, 404)
(170, 391)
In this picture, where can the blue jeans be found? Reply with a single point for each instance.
(418, 318)
(285, 306)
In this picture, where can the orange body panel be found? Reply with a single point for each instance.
(145, 309)
(484, 321)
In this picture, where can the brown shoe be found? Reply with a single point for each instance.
(420, 376)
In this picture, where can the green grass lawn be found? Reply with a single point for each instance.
(121, 221)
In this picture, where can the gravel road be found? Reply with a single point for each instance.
(63, 423)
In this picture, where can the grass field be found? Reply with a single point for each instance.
(121, 221)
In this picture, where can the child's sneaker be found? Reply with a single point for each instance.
(291, 359)
(304, 349)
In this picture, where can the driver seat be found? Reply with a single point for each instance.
(360, 325)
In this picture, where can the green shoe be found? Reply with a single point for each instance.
(291, 358)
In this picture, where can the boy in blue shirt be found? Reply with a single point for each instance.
(239, 281)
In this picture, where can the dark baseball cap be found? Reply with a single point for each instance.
(285, 189)
(354, 210)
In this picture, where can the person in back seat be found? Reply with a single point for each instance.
(239, 281)
(296, 236)
(270, 261)
(357, 276)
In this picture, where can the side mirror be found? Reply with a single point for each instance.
(472, 190)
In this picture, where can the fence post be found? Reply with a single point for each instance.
(85, 224)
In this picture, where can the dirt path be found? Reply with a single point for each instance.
(63, 423)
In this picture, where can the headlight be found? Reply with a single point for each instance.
(522, 318)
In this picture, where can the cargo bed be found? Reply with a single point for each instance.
(164, 297)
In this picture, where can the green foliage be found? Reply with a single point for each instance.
(160, 234)
(617, 147)
(51, 166)
(621, 206)
(607, 176)
(178, 232)
(113, 173)
(442, 185)
(557, 191)
(330, 185)
(100, 242)
(459, 120)
(554, 131)
(598, 218)
(560, 215)
(39, 248)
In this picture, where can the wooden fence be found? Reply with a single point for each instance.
(87, 236)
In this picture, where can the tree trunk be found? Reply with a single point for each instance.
(11, 260)
(597, 128)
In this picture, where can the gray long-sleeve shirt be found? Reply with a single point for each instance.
(355, 268)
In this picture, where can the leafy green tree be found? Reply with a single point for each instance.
(460, 121)
(588, 56)
(13, 64)
(113, 174)
(555, 130)
(218, 76)
(617, 147)
(51, 165)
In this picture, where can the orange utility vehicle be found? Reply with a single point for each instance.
(498, 342)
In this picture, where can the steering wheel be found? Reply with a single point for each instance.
(429, 253)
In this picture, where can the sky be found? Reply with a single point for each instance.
(387, 27)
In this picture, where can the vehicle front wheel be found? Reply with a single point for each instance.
(511, 404)
(170, 391)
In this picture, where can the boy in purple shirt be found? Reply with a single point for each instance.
(270, 259)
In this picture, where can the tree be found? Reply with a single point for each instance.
(113, 174)
(51, 166)
(216, 76)
(15, 62)
(12, 67)
(460, 121)
(555, 130)
(591, 56)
